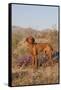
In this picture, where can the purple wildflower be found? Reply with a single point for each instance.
(26, 59)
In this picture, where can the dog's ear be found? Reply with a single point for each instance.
(33, 40)
(27, 39)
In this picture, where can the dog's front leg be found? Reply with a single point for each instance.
(36, 63)
(33, 61)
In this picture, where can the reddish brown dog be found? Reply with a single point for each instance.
(36, 47)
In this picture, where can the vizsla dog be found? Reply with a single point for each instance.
(35, 48)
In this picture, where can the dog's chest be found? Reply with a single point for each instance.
(32, 49)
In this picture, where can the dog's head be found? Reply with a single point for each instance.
(30, 40)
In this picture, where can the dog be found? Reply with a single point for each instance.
(35, 48)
